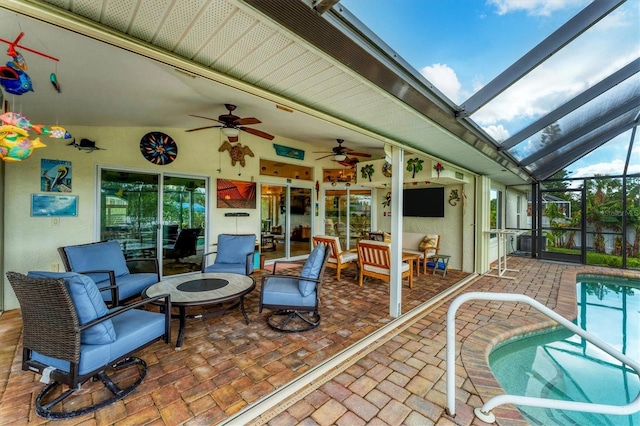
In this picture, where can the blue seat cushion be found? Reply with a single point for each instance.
(99, 256)
(133, 328)
(311, 269)
(129, 285)
(235, 248)
(88, 303)
(286, 292)
(440, 265)
(231, 268)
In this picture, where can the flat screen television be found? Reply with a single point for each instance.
(423, 202)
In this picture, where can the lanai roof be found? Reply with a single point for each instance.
(337, 76)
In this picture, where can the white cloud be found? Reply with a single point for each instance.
(499, 133)
(444, 78)
(615, 167)
(534, 7)
(556, 81)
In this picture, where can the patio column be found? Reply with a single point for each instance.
(395, 285)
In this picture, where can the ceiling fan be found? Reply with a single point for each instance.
(232, 124)
(341, 154)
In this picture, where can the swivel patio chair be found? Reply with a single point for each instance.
(69, 337)
(234, 254)
(118, 279)
(291, 296)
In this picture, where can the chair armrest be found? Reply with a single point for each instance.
(166, 307)
(249, 263)
(353, 250)
(295, 262)
(115, 294)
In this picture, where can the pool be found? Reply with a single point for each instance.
(561, 365)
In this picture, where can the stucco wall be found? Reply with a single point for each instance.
(451, 228)
(31, 242)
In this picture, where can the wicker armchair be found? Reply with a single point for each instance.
(69, 336)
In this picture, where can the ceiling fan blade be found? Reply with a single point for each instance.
(245, 121)
(360, 154)
(259, 133)
(330, 155)
(201, 128)
(348, 162)
(206, 118)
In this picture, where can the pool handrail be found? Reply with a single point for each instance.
(484, 412)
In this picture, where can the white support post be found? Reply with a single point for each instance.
(395, 287)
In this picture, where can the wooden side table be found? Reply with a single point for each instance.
(413, 259)
(444, 258)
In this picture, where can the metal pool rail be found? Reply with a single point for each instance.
(484, 413)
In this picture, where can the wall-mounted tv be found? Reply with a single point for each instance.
(423, 202)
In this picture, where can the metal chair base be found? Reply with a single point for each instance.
(294, 321)
(46, 410)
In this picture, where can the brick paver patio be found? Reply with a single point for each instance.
(226, 365)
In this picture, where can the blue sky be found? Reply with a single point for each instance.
(461, 45)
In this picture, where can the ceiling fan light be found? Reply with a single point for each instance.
(230, 131)
(339, 157)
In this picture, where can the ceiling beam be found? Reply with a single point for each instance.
(586, 18)
(570, 156)
(584, 97)
(583, 130)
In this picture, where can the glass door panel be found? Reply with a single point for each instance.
(336, 214)
(359, 215)
(273, 209)
(129, 212)
(184, 216)
(285, 214)
(300, 219)
(348, 215)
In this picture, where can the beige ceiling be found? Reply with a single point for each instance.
(153, 62)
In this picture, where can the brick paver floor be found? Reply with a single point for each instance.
(225, 366)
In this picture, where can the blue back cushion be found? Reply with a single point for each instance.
(311, 269)
(88, 303)
(100, 256)
(235, 248)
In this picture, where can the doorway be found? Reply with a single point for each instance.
(348, 215)
(562, 236)
(155, 216)
(286, 225)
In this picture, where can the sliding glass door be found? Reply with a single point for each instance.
(172, 231)
(348, 215)
(286, 221)
(183, 224)
(129, 212)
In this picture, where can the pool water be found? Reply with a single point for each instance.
(560, 365)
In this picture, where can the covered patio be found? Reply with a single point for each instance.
(232, 373)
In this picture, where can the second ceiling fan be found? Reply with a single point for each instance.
(343, 155)
(231, 125)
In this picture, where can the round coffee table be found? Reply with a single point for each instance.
(203, 289)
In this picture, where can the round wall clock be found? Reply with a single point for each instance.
(158, 148)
